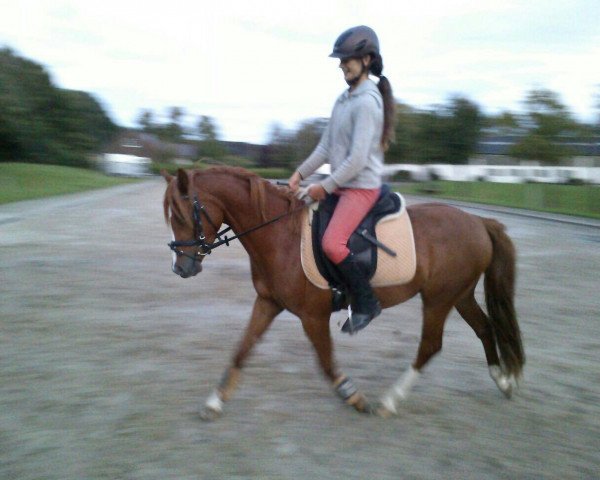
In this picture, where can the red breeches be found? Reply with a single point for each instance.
(353, 206)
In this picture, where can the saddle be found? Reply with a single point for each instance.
(383, 245)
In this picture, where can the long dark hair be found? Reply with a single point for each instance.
(389, 104)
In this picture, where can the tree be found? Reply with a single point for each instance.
(429, 137)
(463, 126)
(207, 129)
(42, 123)
(209, 142)
(443, 134)
(550, 117)
(537, 147)
(145, 120)
(173, 131)
(26, 94)
(79, 122)
(175, 114)
(288, 148)
(550, 123)
(506, 119)
(281, 150)
(403, 149)
(306, 138)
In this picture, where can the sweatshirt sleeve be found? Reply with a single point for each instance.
(367, 116)
(318, 157)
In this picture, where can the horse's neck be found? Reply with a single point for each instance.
(243, 213)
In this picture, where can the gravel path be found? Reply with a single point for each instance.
(105, 356)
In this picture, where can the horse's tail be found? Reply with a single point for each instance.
(499, 297)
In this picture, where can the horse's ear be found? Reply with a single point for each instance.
(183, 181)
(166, 176)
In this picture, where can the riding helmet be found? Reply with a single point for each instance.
(356, 42)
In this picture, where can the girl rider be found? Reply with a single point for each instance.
(359, 131)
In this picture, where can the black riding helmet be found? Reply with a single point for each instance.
(356, 42)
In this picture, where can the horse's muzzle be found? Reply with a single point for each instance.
(187, 267)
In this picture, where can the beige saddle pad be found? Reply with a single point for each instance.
(394, 231)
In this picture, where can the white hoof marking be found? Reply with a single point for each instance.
(400, 390)
(389, 404)
(214, 402)
(502, 381)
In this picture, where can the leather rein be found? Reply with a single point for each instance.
(203, 247)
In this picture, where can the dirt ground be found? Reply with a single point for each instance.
(106, 356)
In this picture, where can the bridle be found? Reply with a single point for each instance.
(203, 247)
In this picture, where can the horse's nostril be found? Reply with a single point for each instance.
(177, 269)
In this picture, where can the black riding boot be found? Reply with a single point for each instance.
(365, 306)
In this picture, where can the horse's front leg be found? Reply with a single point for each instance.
(263, 313)
(318, 332)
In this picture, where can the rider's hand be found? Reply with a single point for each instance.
(316, 192)
(294, 182)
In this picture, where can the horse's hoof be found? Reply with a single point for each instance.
(503, 382)
(383, 412)
(368, 409)
(210, 414)
(505, 386)
(507, 391)
(362, 405)
(213, 407)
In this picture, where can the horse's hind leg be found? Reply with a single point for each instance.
(318, 332)
(470, 310)
(263, 313)
(434, 317)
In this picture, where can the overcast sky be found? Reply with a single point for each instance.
(249, 63)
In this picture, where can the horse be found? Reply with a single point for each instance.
(453, 248)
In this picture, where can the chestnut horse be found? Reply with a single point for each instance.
(453, 250)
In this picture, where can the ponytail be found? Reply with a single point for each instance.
(389, 104)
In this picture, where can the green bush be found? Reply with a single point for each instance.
(42, 123)
(272, 173)
(156, 167)
(236, 161)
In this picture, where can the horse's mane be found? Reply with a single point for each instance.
(260, 191)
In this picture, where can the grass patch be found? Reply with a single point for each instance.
(25, 181)
(579, 200)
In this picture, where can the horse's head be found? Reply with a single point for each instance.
(194, 217)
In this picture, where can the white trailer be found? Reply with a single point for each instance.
(125, 165)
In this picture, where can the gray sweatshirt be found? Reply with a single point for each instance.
(351, 143)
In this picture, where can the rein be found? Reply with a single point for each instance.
(205, 248)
